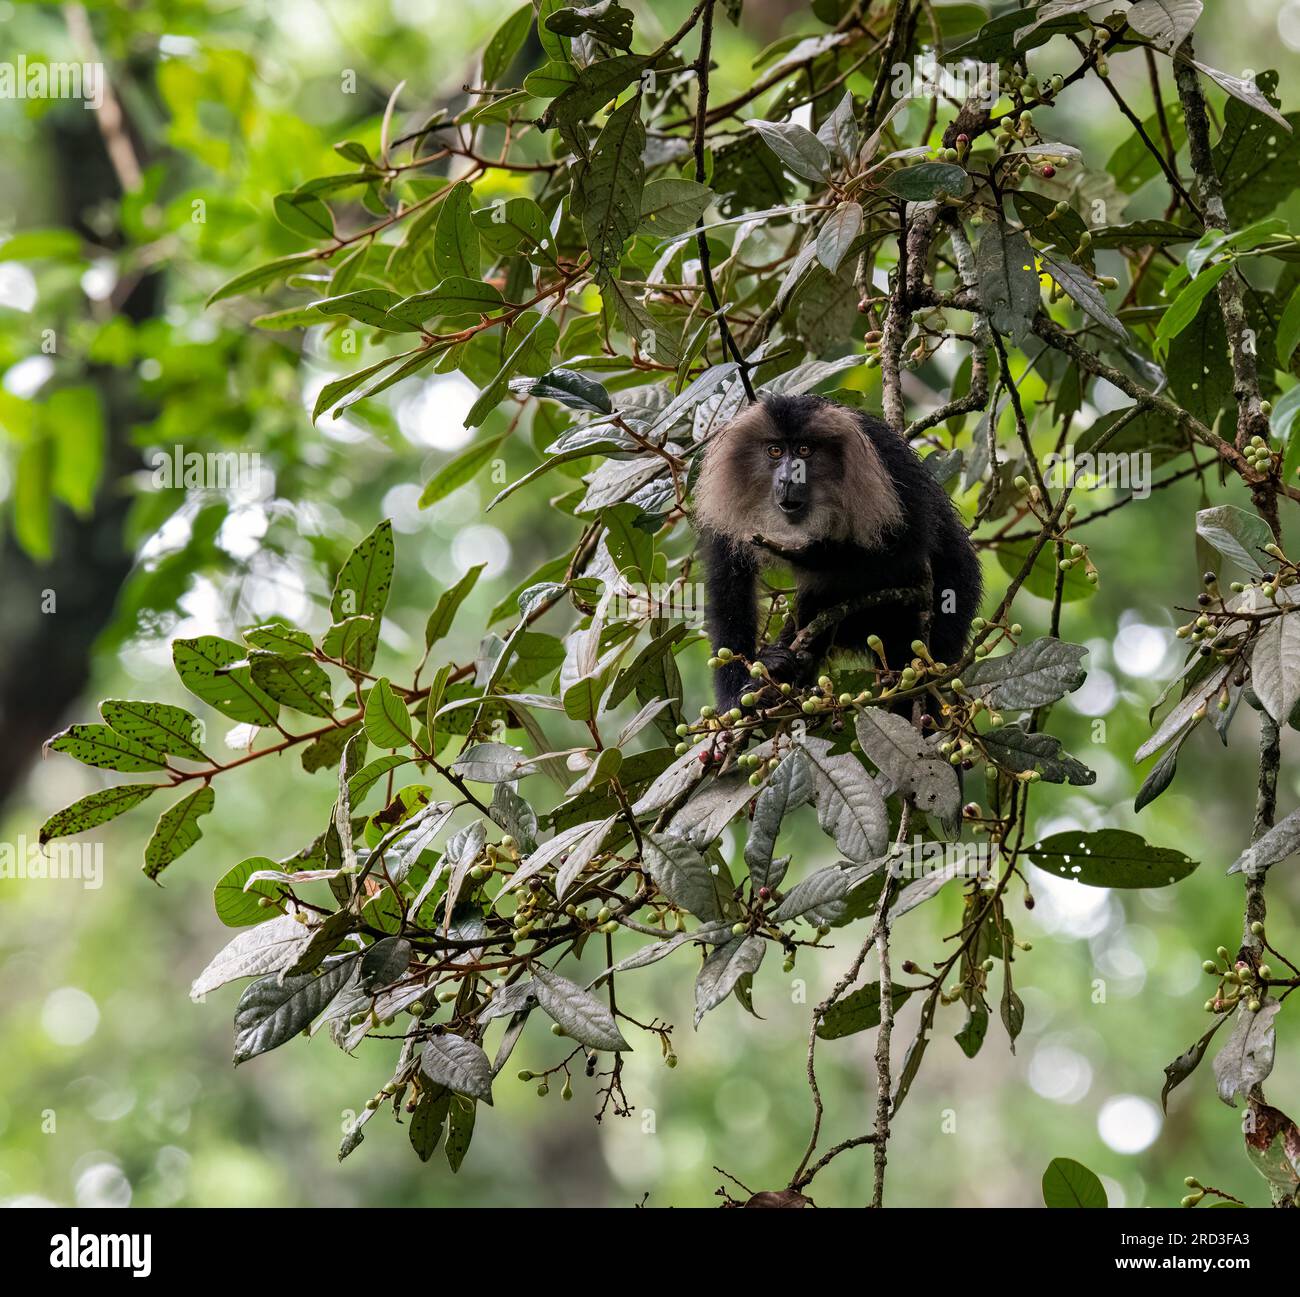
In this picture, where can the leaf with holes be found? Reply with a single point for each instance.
(1110, 858)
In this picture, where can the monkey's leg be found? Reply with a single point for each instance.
(732, 616)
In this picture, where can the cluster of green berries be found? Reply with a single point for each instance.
(1259, 455)
(1239, 983)
(986, 646)
(1198, 1192)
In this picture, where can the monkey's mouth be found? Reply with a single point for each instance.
(792, 509)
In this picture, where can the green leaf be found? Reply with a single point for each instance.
(506, 42)
(1016, 748)
(388, 725)
(362, 590)
(1032, 675)
(464, 468)
(837, 233)
(276, 637)
(205, 667)
(684, 876)
(455, 240)
(295, 682)
(610, 24)
(583, 1017)
(611, 185)
(428, 1120)
(1236, 534)
(237, 908)
(858, 1011)
(305, 214)
(272, 1011)
(460, 1065)
(849, 805)
(926, 181)
(491, 395)
(1110, 858)
(1067, 1183)
(796, 146)
(460, 1129)
(177, 830)
(672, 205)
(1185, 307)
(456, 295)
(1288, 332)
(369, 306)
(728, 968)
(260, 275)
(567, 386)
(449, 601)
(95, 809)
(595, 86)
(98, 745)
(159, 726)
(1008, 282)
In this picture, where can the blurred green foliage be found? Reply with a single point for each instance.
(117, 1087)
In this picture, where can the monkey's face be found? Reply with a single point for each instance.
(799, 470)
(795, 470)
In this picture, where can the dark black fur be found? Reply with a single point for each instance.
(930, 542)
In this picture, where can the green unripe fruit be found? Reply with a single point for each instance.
(1253, 1006)
(1209, 1006)
(874, 643)
(714, 663)
(1222, 952)
(810, 706)
(1210, 966)
(602, 915)
(525, 1075)
(611, 926)
(670, 1060)
(448, 995)
(543, 1090)
(823, 929)
(1191, 1200)
(682, 749)
(372, 1104)
(787, 689)
(1085, 240)
(755, 780)
(756, 671)
(1265, 972)
(556, 1029)
(738, 929)
(957, 685)
(682, 731)
(725, 654)
(1257, 929)
(358, 1018)
(846, 700)
(1017, 629)
(708, 712)
(1021, 483)
(788, 966)
(264, 902)
(748, 700)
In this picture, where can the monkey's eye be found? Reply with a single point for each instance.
(805, 451)
(774, 452)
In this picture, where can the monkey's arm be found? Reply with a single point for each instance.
(732, 615)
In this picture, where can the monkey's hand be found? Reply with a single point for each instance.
(784, 665)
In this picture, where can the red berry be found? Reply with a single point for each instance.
(1048, 171)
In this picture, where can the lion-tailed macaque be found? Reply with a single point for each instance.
(844, 502)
